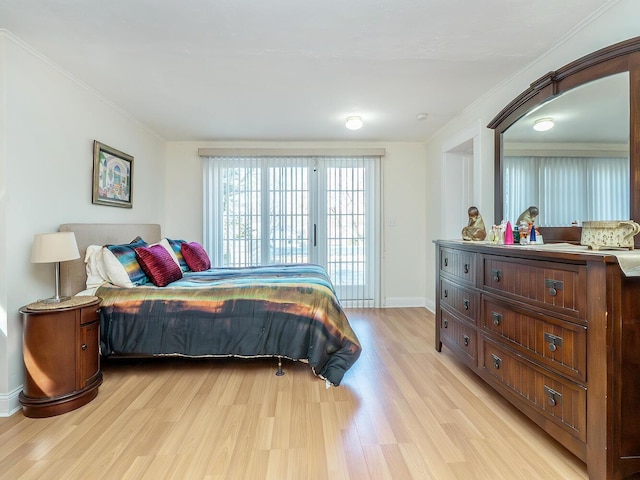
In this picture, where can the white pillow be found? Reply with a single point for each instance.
(96, 272)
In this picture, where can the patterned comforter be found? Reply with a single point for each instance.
(279, 310)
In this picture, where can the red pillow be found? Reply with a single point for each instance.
(195, 256)
(158, 265)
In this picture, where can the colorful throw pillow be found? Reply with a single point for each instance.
(195, 256)
(175, 245)
(122, 267)
(157, 263)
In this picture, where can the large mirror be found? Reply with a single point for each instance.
(587, 166)
(578, 168)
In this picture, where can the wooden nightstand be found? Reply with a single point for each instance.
(61, 356)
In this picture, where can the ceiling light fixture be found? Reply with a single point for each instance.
(543, 124)
(354, 122)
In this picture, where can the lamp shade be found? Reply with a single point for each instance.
(54, 247)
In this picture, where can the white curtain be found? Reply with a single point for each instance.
(567, 189)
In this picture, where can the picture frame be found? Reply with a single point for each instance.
(112, 176)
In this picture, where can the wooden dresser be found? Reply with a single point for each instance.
(557, 333)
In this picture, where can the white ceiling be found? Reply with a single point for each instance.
(293, 69)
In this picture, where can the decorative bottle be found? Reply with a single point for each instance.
(508, 234)
(532, 234)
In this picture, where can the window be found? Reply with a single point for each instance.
(264, 210)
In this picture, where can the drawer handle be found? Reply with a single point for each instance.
(466, 304)
(496, 274)
(497, 361)
(446, 262)
(497, 318)
(465, 340)
(84, 346)
(446, 293)
(466, 268)
(553, 286)
(553, 341)
(553, 397)
(445, 323)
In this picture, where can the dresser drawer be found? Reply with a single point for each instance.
(558, 287)
(558, 399)
(459, 264)
(459, 337)
(559, 345)
(463, 301)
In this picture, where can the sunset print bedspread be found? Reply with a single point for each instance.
(281, 310)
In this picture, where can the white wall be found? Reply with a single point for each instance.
(618, 23)
(404, 204)
(4, 288)
(48, 122)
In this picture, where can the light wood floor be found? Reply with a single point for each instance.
(403, 411)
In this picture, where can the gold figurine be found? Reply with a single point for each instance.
(475, 230)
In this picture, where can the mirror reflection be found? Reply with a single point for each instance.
(577, 170)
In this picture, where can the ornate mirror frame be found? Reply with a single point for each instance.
(617, 58)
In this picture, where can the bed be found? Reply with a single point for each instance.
(280, 311)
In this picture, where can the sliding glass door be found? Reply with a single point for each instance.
(269, 210)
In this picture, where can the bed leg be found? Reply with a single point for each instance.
(279, 372)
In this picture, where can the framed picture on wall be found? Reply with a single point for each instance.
(112, 176)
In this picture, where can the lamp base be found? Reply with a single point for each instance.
(54, 299)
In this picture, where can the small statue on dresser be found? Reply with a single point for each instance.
(475, 230)
(528, 216)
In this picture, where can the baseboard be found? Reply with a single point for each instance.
(9, 403)
(399, 302)
(430, 305)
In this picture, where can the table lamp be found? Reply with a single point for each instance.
(54, 248)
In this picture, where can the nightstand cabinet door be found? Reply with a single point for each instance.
(88, 355)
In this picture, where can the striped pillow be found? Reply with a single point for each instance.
(175, 245)
(122, 266)
(158, 265)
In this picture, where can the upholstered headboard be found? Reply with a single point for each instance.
(73, 274)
